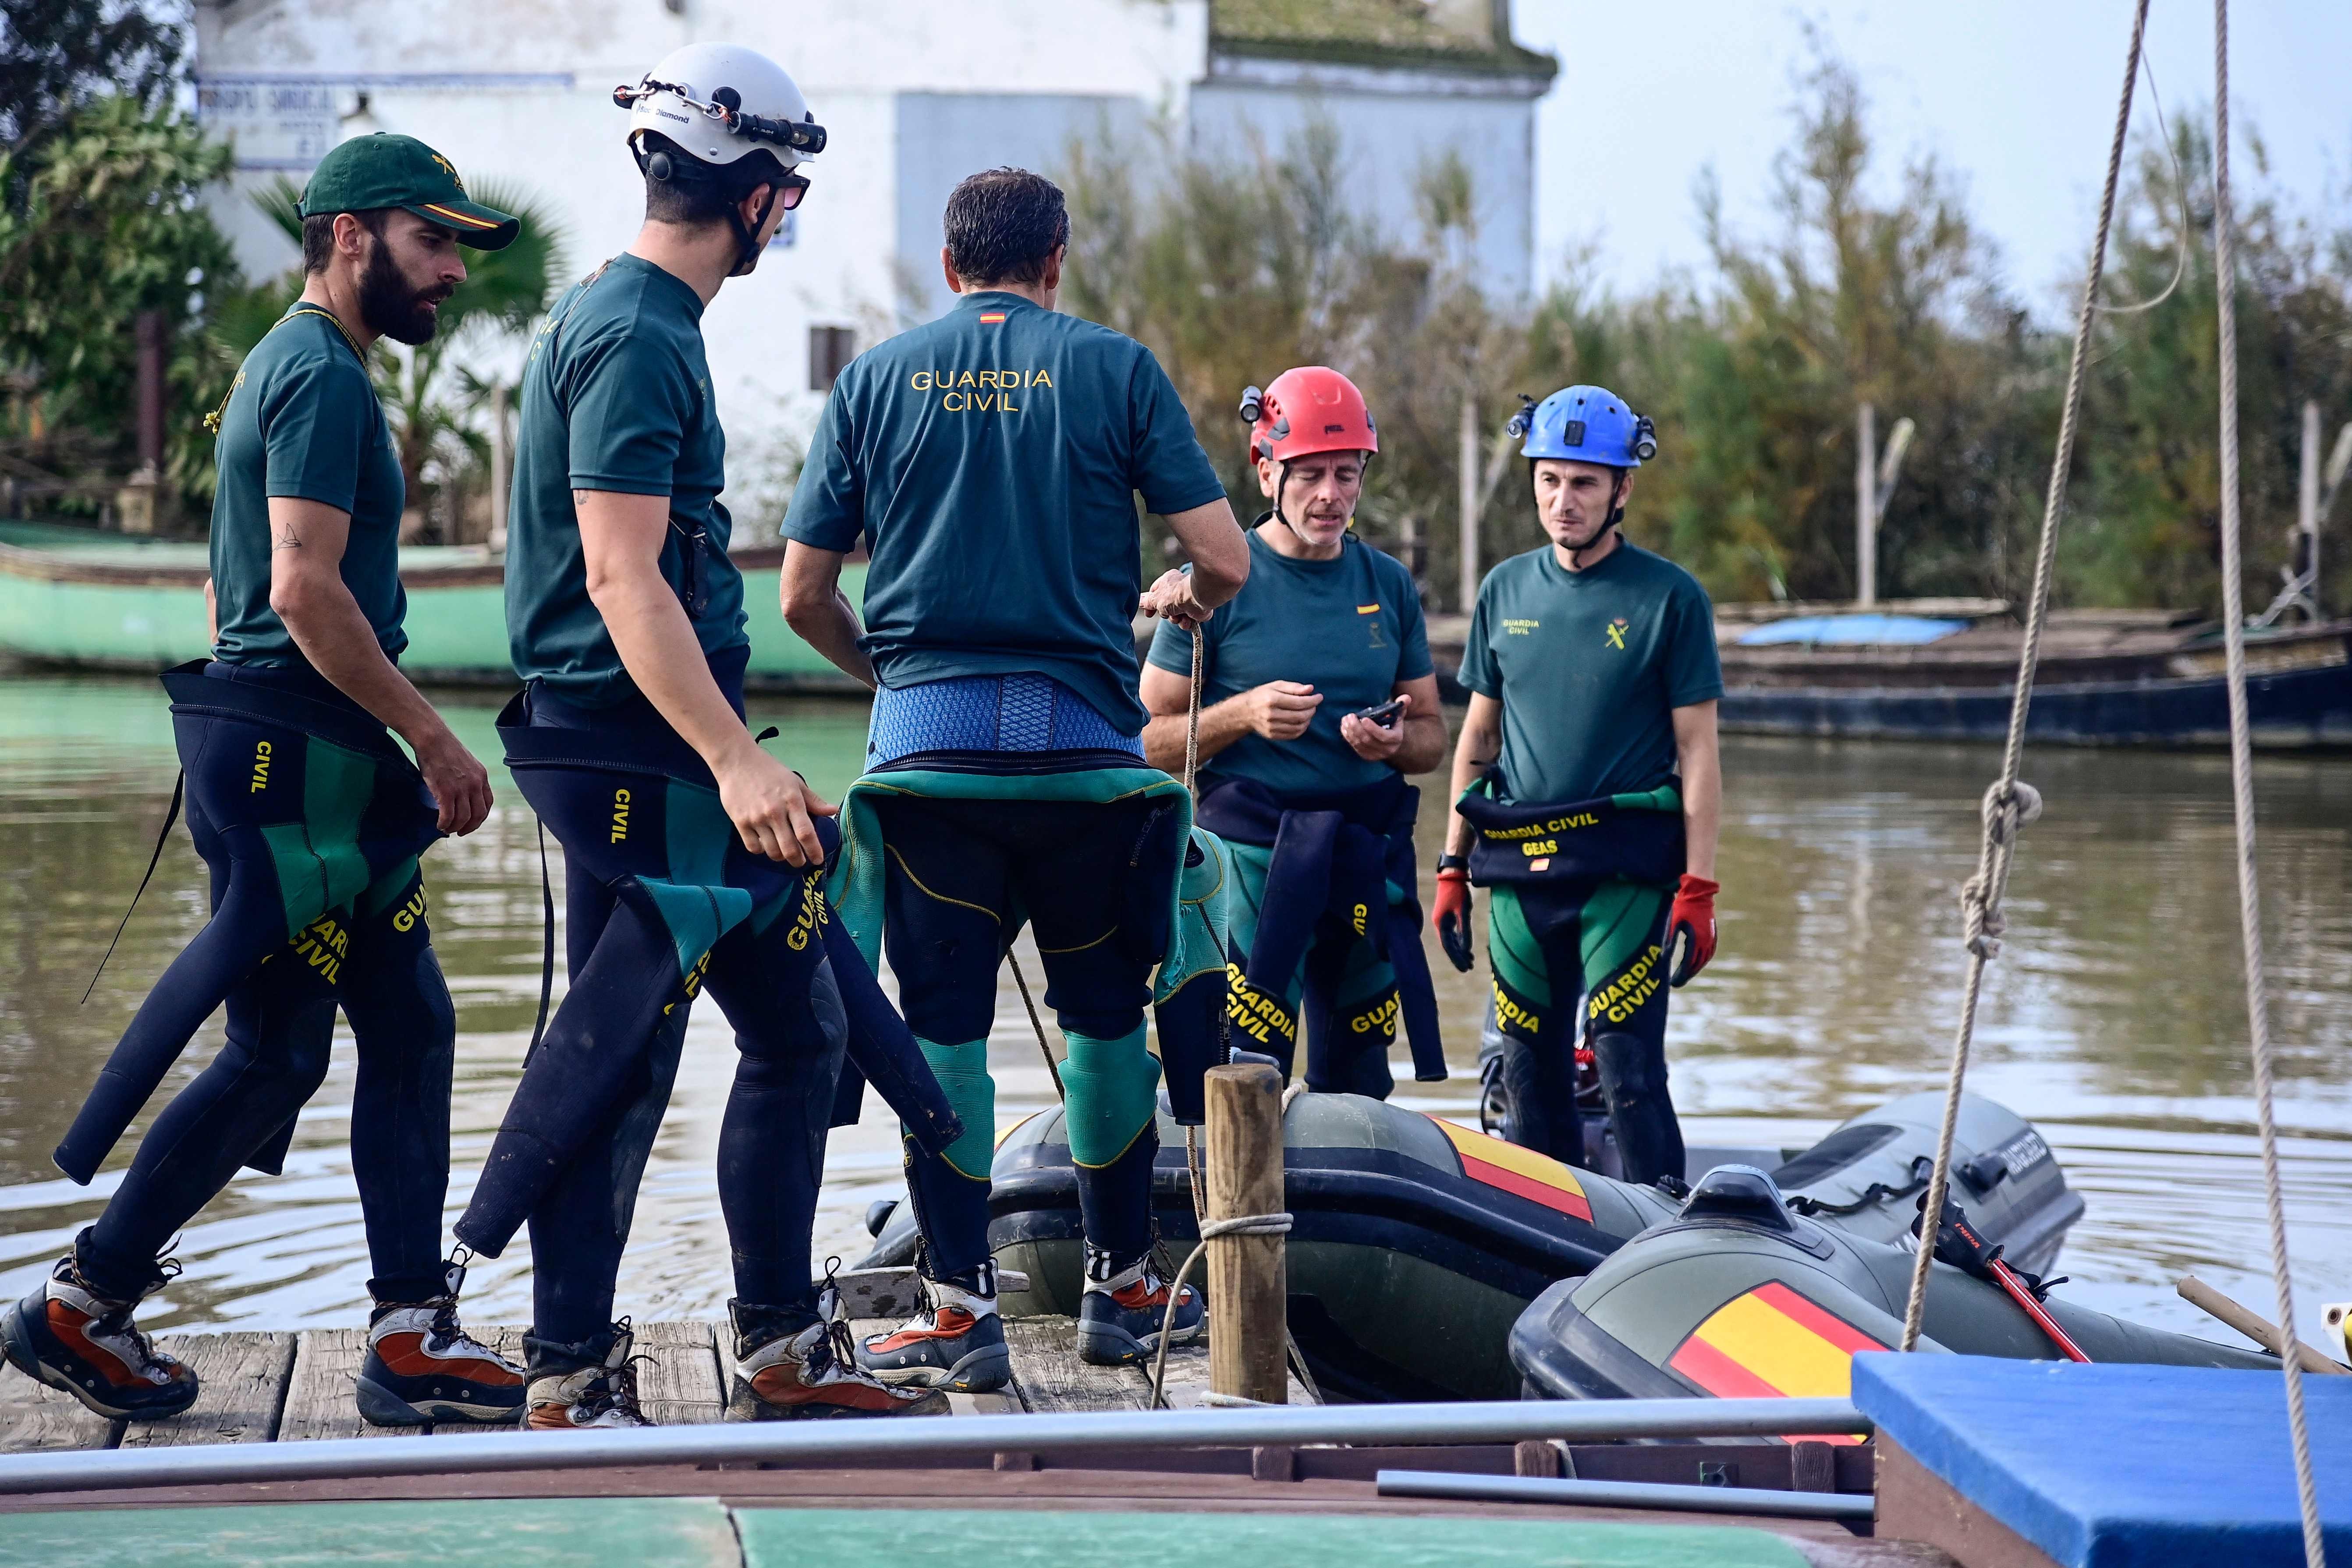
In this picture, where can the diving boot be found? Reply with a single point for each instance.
(793, 1365)
(956, 1344)
(585, 1387)
(421, 1365)
(68, 1335)
(1122, 1312)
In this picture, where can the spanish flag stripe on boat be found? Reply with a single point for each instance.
(1772, 1341)
(1522, 1173)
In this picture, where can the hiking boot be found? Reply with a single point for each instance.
(572, 1389)
(955, 1345)
(791, 1366)
(421, 1365)
(1121, 1314)
(70, 1337)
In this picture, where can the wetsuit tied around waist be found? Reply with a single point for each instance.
(947, 854)
(309, 821)
(1580, 894)
(663, 902)
(1325, 930)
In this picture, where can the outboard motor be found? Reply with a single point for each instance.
(1743, 1295)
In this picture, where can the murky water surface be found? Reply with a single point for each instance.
(2114, 1017)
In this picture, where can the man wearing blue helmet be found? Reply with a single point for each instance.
(1588, 791)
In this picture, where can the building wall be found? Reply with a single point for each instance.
(915, 95)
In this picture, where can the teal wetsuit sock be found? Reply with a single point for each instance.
(1110, 1091)
(949, 1189)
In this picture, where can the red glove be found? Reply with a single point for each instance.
(1453, 916)
(1690, 929)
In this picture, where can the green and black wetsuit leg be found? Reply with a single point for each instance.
(405, 1030)
(1550, 944)
(961, 873)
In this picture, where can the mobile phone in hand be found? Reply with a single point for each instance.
(1385, 714)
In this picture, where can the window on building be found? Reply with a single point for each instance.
(830, 350)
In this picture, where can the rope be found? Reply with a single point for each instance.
(1193, 718)
(1240, 1225)
(2009, 804)
(1035, 1023)
(2242, 790)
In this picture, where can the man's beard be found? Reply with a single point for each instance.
(392, 308)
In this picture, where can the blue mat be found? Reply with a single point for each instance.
(2121, 1466)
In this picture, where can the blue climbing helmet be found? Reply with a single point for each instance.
(1584, 424)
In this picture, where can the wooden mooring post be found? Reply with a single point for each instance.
(1248, 1319)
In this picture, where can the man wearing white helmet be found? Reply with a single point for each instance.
(690, 855)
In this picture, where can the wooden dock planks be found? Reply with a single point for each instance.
(245, 1380)
(300, 1387)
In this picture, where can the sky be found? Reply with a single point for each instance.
(2016, 97)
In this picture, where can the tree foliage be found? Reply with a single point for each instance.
(1870, 284)
(111, 224)
(58, 56)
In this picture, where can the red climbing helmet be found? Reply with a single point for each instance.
(1307, 410)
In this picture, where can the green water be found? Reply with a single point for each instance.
(2113, 1017)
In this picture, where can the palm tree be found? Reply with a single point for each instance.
(504, 295)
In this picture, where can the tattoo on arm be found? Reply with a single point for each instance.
(286, 539)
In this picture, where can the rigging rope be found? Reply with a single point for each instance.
(2241, 792)
(2008, 804)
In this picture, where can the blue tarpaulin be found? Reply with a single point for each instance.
(2121, 1466)
(1853, 631)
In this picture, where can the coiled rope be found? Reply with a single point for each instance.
(2241, 792)
(2010, 805)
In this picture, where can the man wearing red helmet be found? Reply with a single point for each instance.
(1319, 699)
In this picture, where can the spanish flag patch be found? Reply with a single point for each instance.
(989, 318)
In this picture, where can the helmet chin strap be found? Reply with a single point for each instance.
(1615, 519)
(1282, 484)
(747, 235)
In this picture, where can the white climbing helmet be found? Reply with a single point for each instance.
(721, 103)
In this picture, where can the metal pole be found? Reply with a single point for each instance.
(1865, 508)
(2303, 562)
(1624, 1494)
(502, 464)
(834, 1442)
(1468, 458)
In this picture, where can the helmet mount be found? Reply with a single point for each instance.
(752, 127)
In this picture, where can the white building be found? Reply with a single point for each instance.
(915, 94)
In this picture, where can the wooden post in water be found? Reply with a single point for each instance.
(1247, 1321)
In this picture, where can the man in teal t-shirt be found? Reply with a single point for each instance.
(1587, 773)
(311, 821)
(691, 856)
(990, 461)
(1300, 783)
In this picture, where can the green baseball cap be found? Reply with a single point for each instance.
(388, 170)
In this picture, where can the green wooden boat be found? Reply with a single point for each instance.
(81, 599)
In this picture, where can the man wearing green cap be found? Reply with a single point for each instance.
(311, 820)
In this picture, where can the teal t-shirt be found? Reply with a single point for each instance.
(1590, 667)
(616, 396)
(1351, 628)
(303, 421)
(991, 459)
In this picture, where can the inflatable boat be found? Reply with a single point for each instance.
(1418, 1243)
(1745, 1294)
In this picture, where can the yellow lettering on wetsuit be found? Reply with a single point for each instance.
(693, 981)
(1540, 847)
(261, 767)
(411, 912)
(620, 814)
(1252, 1010)
(812, 919)
(322, 945)
(1380, 1019)
(1509, 1011)
(1622, 998)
